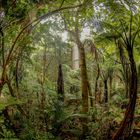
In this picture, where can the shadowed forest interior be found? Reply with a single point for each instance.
(69, 70)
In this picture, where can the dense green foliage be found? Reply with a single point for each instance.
(54, 54)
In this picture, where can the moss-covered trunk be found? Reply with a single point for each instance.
(84, 81)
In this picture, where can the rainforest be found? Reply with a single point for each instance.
(69, 70)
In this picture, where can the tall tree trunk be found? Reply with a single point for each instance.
(90, 94)
(2, 80)
(84, 82)
(75, 58)
(105, 91)
(60, 84)
(84, 77)
(123, 132)
(125, 67)
(96, 84)
(110, 86)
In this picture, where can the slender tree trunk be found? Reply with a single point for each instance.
(90, 94)
(84, 82)
(84, 78)
(105, 91)
(2, 81)
(127, 89)
(96, 83)
(123, 132)
(60, 84)
(75, 58)
(125, 67)
(3, 78)
(10, 87)
(1, 86)
(110, 86)
(17, 73)
(84, 85)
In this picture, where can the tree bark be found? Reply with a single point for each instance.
(105, 91)
(96, 84)
(75, 58)
(84, 82)
(125, 67)
(123, 132)
(60, 84)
